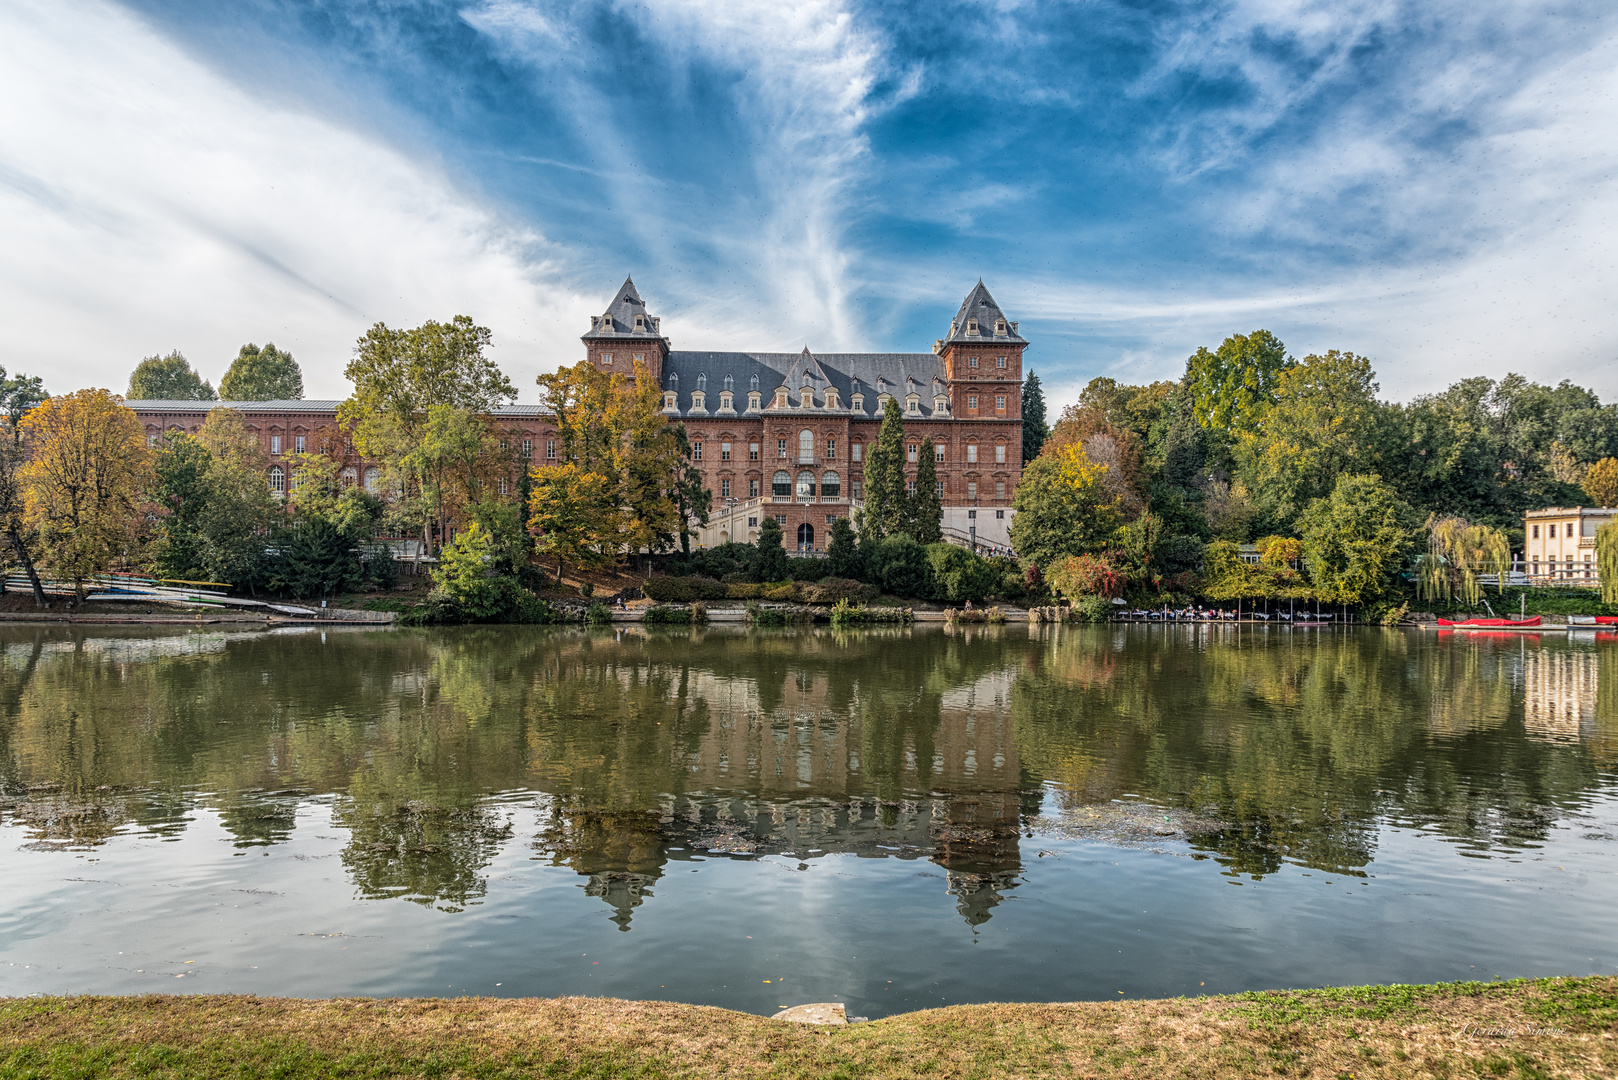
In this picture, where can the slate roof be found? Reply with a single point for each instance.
(980, 305)
(619, 320)
(875, 373)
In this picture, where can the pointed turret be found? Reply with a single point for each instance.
(626, 334)
(980, 320)
(626, 316)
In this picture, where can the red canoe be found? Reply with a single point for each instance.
(1491, 623)
(1607, 620)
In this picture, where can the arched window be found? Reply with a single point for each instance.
(373, 480)
(278, 479)
(806, 485)
(781, 484)
(806, 537)
(831, 485)
(806, 445)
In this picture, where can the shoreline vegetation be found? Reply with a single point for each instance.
(1528, 1028)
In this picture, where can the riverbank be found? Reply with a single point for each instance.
(1525, 1028)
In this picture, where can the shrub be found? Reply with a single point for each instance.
(844, 613)
(683, 590)
(830, 590)
(744, 591)
(1087, 576)
(958, 575)
(724, 561)
(810, 568)
(763, 616)
(668, 615)
(587, 589)
(899, 565)
(699, 613)
(994, 617)
(784, 591)
(598, 615)
(1092, 609)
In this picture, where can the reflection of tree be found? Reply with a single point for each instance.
(421, 852)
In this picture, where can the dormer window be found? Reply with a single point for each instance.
(669, 404)
(972, 327)
(730, 384)
(806, 396)
(699, 401)
(781, 398)
(881, 402)
(674, 380)
(940, 404)
(640, 323)
(606, 324)
(725, 399)
(754, 401)
(1000, 327)
(856, 401)
(702, 381)
(913, 404)
(831, 397)
(754, 384)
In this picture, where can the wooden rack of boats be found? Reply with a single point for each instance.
(114, 587)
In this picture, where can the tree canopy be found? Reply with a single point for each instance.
(1063, 507)
(168, 378)
(266, 374)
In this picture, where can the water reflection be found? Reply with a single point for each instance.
(642, 749)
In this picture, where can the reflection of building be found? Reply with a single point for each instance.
(1559, 543)
(1559, 693)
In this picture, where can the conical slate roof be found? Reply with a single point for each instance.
(619, 320)
(980, 306)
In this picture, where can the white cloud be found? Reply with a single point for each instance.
(150, 205)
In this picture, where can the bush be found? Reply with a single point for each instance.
(724, 561)
(699, 614)
(899, 565)
(683, 590)
(763, 616)
(810, 568)
(959, 575)
(1087, 576)
(1092, 609)
(785, 591)
(831, 590)
(668, 615)
(744, 591)
(598, 615)
(845, 614)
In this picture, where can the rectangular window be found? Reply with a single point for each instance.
(831, 449)
(640, 358)
(1000, 454)
(914, 447)
(550, 449)
(780, 448)
(910, 488)
(504, 488)
(939, 487)
(859, 489)
(856, 452)
(275, 444)
(1000, 403)
(971, 515)
(752, 523)
(999, 489)
(1570, 528)
(527, 449)
(971, 361)
(1000, 361)
(780, 519)
(971, 453)
(724, 489)
(724, 451)
(938, 453)
(298, 443)
(971, 401)
(696, 451)
(1536, 532)
(504, 445)
(971, 489)
(1000, 515)
(831, 519)
(752, 489)
(752, 451)
(606, 358)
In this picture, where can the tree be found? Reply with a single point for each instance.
(926, 510)
(958, 575)
(885, 498)
(1601, 482)
(692, 499)
(1607, 561)
(181, 465)
(467, 577)
(1086, 575)
(770, 564)
(167, 378)
(574, 514)
(18, 395)
(266, 374)
(1457, 553)
(86, 482)
(320, 553)
(240, 511)
(1232, 386)
(1063, 508)
(1034, 430)
(1356, 541)
(843, 553)
(1323, 423)
(398, 377)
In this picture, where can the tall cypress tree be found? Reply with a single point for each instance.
(926, 509)
(1033, 418)
(885, 501)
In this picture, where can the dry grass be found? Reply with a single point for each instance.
(1529, 1029)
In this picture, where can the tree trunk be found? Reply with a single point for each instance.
(27, 565)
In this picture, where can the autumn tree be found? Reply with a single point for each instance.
(399, 377)
(18, 395)
(1601, 482)
(1063, 508)
(168, 378)
(575, 515)
(266, 374)
(86, 481)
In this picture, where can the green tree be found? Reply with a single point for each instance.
(692, 498)
(266, 374)
(321, 552)
(399, 376)
(1357, 540)
(900, 566)
(167, 378)
(466, 576)
(1457, 553)
(1233, 385)
(843, 553)
(925, 512)
(770, 563)
(1324, 422)
(182, 466)
(1607, 561)
(239, 511)
(575, 515)
(18, 395)
(958, 576)
(1063, 508)
(886, 507)
(1034, 429)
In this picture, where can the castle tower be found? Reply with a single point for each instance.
(983, 360)
(626, 334)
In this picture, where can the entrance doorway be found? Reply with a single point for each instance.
(806, 537)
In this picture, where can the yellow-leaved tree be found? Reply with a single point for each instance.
(86, 483)
(1601, 482)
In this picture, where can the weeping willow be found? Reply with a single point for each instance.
(1458, 552)
(1607, 561)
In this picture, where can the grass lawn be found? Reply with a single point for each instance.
(1528, 1028)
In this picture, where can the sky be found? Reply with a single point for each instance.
(1430, 184)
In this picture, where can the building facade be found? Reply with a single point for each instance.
(1559, 543)
(786, 435)
(778, 434)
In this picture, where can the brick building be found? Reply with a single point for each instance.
(783, 434)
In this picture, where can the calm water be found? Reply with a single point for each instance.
(894, 819)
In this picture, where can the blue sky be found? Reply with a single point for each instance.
(1431, 184)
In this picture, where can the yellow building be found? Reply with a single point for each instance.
(1559, 543)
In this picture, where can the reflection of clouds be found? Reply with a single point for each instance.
(1559, 694)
